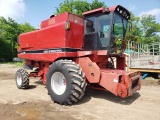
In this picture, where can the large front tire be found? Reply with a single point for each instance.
(22, 79)
(66, 82)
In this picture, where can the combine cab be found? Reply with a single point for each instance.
(69, 52)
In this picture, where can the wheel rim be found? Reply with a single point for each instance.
(19, 79)
(58, 83)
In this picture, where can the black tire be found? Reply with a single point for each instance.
(22, 79)
(75, 82)
(158, 75)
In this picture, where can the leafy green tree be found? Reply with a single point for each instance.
(145, 28)
(26, 27)
(5, 38)
(150, 28)
(96, 4)
(78, 6)
(135, 31)
(9, 32)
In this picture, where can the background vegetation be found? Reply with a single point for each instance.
(9, 32)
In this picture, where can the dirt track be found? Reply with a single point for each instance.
(35, 103)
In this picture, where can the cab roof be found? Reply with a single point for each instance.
(123, 11)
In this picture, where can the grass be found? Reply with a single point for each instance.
(18, 64)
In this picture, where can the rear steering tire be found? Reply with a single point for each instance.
(22, 79)
(158, 75)
(66, 82)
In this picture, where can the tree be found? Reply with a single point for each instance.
(7, 38)
(78, 6)
(150, 28)
(96, 4)
(136, 31)
(9, 32)
(26, 27)
(145, 28)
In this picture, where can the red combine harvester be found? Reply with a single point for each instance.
(70, 52)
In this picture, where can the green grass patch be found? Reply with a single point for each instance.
(18, 64)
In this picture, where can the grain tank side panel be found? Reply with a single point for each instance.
(54, 35)
(76, 34)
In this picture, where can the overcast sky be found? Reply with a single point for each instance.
(34, 11)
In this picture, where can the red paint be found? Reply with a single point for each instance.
(121, 62)
(90, 69)
(97, 88)
(57, 36)
(102, 10)
(112, 8)
(47, 57)
(119, 82)
(99, 10)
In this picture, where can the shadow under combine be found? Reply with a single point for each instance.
(108, 96)
(32, 87)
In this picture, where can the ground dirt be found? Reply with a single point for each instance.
(35, 103)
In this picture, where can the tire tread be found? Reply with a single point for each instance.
(78, 81)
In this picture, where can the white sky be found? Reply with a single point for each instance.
(12, 8)
(35, 11)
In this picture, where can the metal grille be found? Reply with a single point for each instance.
(143, 55)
